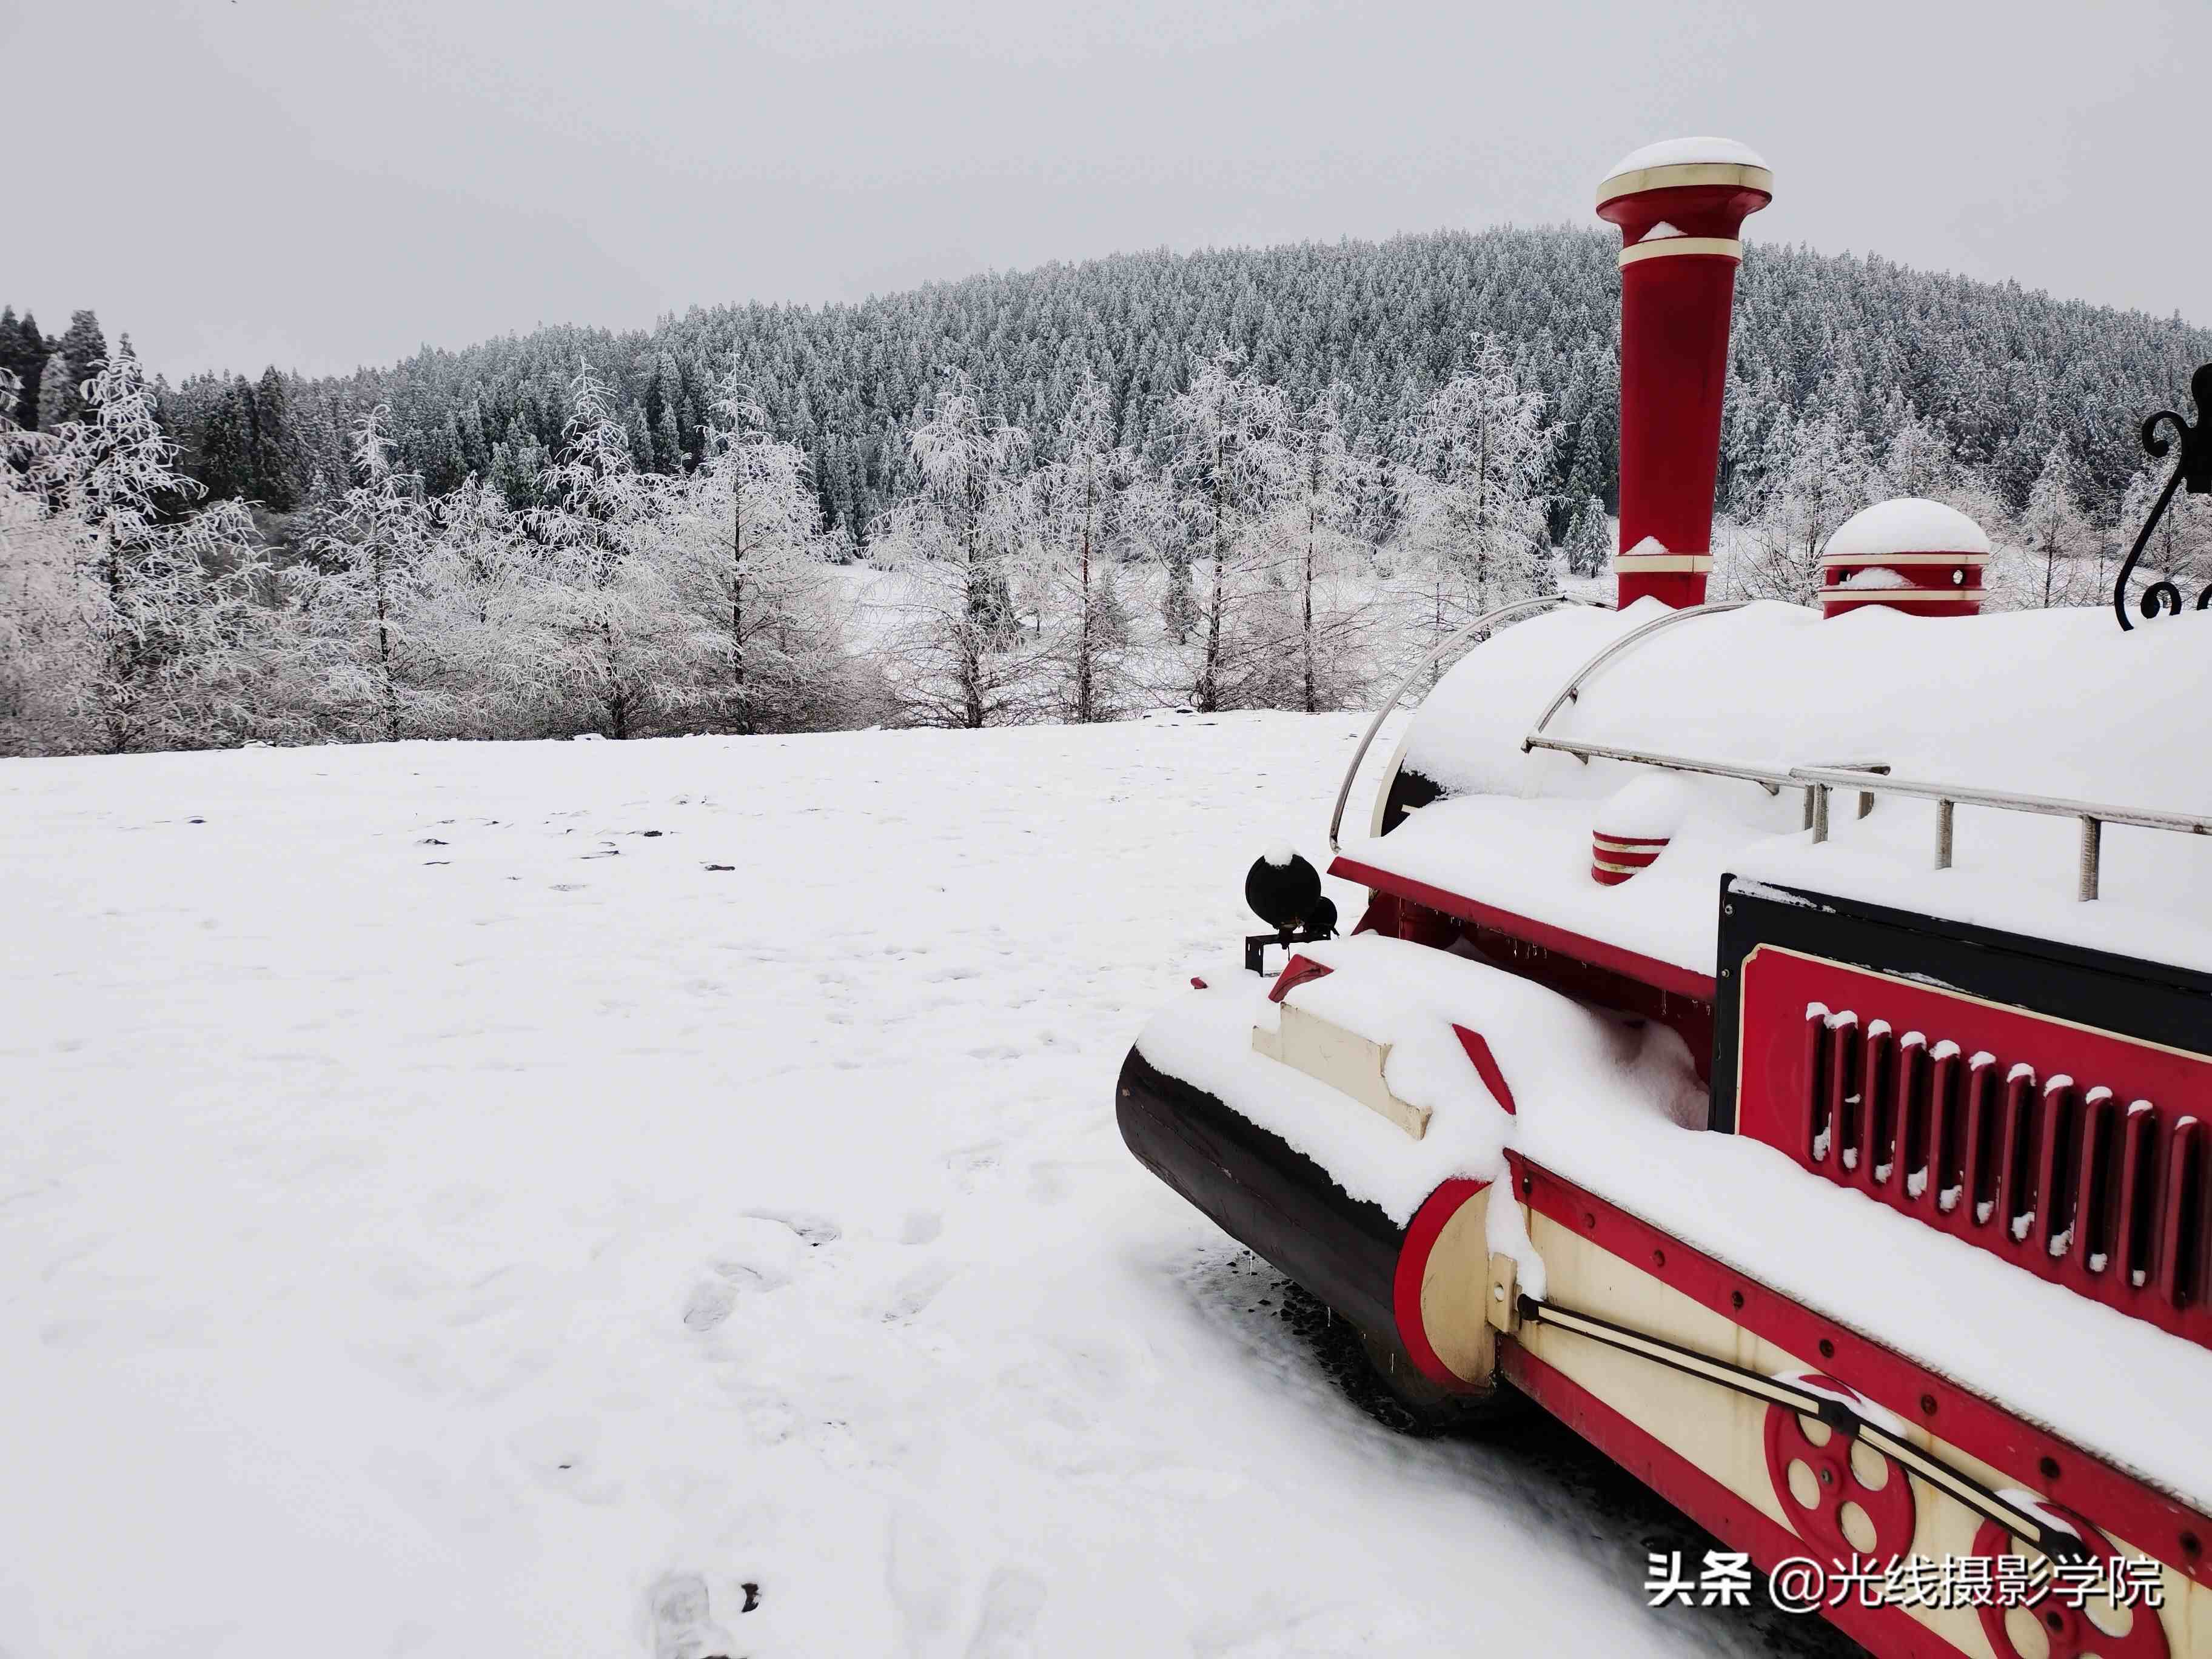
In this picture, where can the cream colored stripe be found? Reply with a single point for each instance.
(1903, 595)
(1727, 247)
(1663, 562)
(1684, 173)
(1620, 869)
(1650, 844)
(1838, 561)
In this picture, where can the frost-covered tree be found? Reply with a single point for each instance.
(1918, 458)
(60, 399)
(163, 597)
(35, 590)
(753, 565)
(1476, 530)
(2057, 538)
(624, 647)
(480, 630)
(1178, 600)
(1814, 474)
(360, 603)
(1232, 464)
(964, 657)
(1589, 547)
(1312, 531)
(1077, 502)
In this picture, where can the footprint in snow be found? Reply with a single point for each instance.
(968, 1164)
(682, 1619)
(916, 1292)
(763, 1252)
(709, 1304)
(561, 1454)
(1007, 1626)
(816, 1230)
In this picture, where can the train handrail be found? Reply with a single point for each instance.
(1488, 619)
(1571, 691)
(2093, 816)
(1772, 781)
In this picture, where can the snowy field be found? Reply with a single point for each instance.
(450, 1188)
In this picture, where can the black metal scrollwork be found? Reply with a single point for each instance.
(2194, 469)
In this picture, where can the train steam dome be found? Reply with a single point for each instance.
(1914, 556)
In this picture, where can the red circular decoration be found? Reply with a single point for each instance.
(2067, 1628)
(1889, 1506)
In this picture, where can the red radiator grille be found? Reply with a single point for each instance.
(2041, 1142)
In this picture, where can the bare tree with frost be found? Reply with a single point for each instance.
(1815, 474)
(753, 565)
(476, 629)
(962, 658)
(1318, 557)
(623, 646)
(1476, 526)
(1078, 502)
(1232, 464)
(2057, 538)
(360, 605)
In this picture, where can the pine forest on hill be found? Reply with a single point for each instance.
(1237, 477)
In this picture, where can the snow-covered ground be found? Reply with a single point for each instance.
(448, 1188)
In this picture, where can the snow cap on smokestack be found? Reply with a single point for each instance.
(1680, 206)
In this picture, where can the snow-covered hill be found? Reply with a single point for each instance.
(448, 1188)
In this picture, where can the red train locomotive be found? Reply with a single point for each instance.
(1778, 1042)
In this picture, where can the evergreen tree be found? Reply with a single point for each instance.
(31, 352)
(16, 359)
(1589, 546)
(272, 449)
(61, 398)
(84, 348)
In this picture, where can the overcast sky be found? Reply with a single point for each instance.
(326, 183)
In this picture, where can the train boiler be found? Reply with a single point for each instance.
(1777, 1040)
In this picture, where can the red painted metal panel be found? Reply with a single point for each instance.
(1421, 1236)
(1888, 1631)
(2150, 1520)
(2074, 1152)
(1296, 972)
(1650, 970)
(1486, 1066)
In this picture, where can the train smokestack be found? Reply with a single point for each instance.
(1680, 206)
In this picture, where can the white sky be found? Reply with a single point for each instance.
(324, 183)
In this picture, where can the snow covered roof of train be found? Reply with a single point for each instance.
(2057, 703)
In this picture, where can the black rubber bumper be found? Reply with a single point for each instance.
(1265, 1194)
